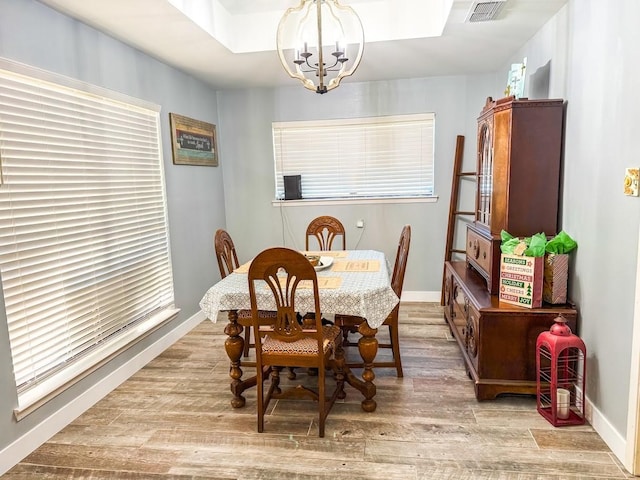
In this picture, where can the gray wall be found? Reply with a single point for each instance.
(255, 223)
(33, 34)
(595, 66)
(601, 140)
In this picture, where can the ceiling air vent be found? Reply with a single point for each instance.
(481, 11)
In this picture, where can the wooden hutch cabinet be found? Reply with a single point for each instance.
(519, 154)
(497, 340)
(518, 190)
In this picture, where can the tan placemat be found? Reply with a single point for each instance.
(356, 266)
(329, 282)
(323, 282)
(327, 253)
(244, 268)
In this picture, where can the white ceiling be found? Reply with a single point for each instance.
(201, 36)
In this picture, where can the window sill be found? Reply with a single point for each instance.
(31, 400)
(352, 201)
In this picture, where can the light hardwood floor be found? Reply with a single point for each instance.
(173, 420)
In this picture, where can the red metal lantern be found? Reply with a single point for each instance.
(560, 365)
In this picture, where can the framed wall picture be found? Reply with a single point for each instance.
(193, 142)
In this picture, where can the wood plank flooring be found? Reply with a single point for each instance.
(173, 420)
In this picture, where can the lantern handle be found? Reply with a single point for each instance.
(560, 327)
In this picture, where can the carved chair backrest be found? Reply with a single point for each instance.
(225, 253)
(325, 229)
(281, 270)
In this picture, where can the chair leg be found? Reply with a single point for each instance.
(275, 382)
(247, 340)
(322, 397)
(346, 330)
(395, 348)
(338, 371)
(260, 399)
(345, 335)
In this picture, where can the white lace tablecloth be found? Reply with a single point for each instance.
(363, 294)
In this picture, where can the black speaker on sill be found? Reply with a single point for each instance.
(292, 187)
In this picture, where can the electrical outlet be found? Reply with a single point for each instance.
(360, 224)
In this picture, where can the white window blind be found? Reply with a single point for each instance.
(84, 249)
(357, 158)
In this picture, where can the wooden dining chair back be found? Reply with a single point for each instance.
(350, 324)
(227, 262)
(400, 266)
(325, 230)
(225, 252)
(287, 342)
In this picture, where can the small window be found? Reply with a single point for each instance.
(357, 158)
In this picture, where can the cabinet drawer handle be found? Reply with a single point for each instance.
(476, 249)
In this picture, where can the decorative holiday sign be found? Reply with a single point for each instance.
(521, 280)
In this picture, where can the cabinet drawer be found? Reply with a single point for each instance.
(472, 335)
(479, 251)
(465, 319)
(460, 304)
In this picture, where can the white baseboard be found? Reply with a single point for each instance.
(420, 296)
(614, 440)
(23, 446)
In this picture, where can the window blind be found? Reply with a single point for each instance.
(84, 248)
(355, 158)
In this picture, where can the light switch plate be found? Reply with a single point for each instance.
(631, 178)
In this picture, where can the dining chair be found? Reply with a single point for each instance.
(227, 263)
(325, 229)
(287, 343)
(350, 323)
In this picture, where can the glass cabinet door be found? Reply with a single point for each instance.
(485, 172)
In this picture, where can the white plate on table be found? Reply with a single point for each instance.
(324, 262)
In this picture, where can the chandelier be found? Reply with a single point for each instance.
(320, 42)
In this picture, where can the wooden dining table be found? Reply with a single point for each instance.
(351, 282)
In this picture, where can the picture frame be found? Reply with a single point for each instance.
(193, 142)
